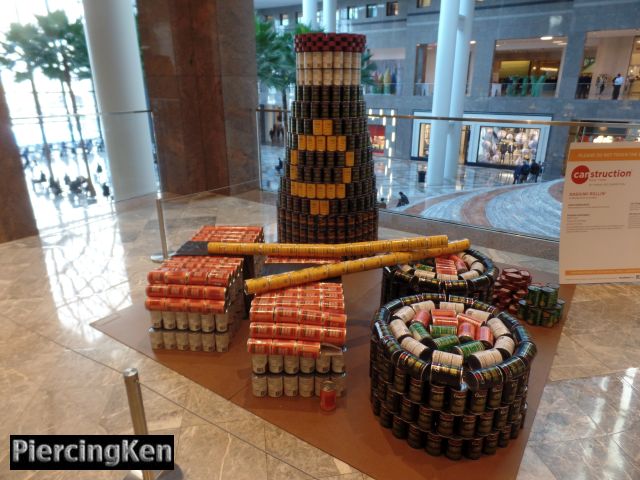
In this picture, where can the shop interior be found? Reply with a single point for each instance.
(527, 67)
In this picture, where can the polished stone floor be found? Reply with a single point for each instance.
(480, 196)
(60, 375)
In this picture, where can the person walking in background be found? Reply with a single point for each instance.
(524, 172)
(618, 82)
(382, 204)
(403, 200)
(534, 171)
(516, 173)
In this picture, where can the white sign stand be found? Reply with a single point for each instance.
(600, 231)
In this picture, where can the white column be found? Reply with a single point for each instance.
(447, 27)
(309, 13)
(329, 8)
(114, 53)
(458, 87)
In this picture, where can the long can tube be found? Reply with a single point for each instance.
(327, 250)
(323, 272)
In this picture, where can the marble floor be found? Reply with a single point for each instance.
(480, 196)
(60, 375)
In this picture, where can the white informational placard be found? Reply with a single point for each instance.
(600, 231)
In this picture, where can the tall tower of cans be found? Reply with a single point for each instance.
(327, 191)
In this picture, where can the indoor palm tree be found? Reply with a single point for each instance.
(21, 52)
(65, 57)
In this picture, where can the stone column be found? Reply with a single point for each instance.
(117, 74)
(458, 87)
(199, 62)
(329, 8)
(16, 215)
(571, 65)
(310, 13)
(447, 28)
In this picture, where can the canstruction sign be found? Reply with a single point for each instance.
(600, 230)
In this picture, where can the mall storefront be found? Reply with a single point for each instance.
(486, 145)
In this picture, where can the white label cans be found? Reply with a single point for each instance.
(169, 339)
(276, 363)
(207, 322)
(182, 340)
(291, 364)
(275, 385)
(208, 342)
(180, 320)
(222, 322)
(290, 385)
(194, 322)
(307, 364)
(222, 342)
(259, 385)
(156, 339)
(323, 363)
(259, 363)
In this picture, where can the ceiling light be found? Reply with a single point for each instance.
(546, 38)
(473, 42)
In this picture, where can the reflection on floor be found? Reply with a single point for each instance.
(480, 196)
(59, 375)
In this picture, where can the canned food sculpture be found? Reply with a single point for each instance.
(297, 337)
(196, 302)
(460, 392)
(327, 191)
(470, 273)
(535, 303)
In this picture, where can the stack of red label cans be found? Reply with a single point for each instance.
(297, 338)
(196, 302)
(510, 288)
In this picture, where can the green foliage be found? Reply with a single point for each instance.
(276, 57)
(21, 50)
(65, 53)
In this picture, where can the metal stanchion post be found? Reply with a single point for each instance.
(139, 421)
(157, 257)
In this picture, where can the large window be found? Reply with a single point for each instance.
(352, 13)
(284, 19)
(393, 9)
(610, 66)
(527, 67)
(423, 3)
(372, 10)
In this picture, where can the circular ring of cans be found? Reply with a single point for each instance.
(334, 42)
(397, 283)
(483, 412)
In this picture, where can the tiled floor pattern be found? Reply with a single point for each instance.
(480, 196)
(59, 375)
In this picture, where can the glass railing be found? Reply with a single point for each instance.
(486, 191)
(423, 89)
(630, 90)
(523, 88)
(383, 89)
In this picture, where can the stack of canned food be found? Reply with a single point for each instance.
(471, 274)
(253, 264)
(449, 374)
(195, 303)
(327, 193)
(541, 305)
(297, 338)
(510, 288)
